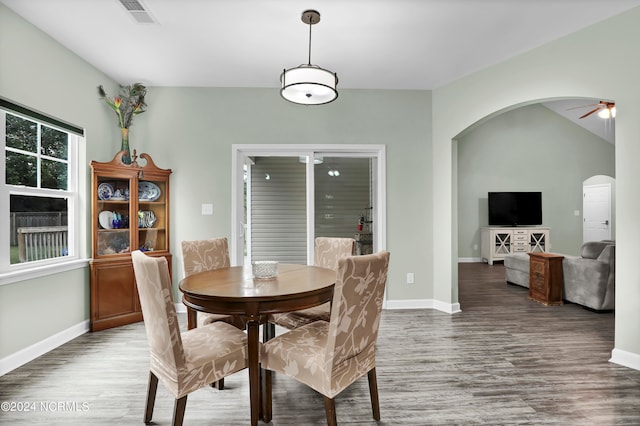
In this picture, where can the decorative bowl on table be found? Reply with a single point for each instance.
(264, 269)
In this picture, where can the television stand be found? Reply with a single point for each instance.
(498, 241)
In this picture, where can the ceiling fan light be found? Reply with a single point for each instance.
(604, 113)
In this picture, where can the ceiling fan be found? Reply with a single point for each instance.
(605, 109)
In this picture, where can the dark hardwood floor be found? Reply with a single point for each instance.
(503, 360)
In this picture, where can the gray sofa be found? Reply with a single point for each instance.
(589, 279)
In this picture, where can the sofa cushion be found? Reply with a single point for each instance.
(586, 282)
(592, 249)
(518, 261)
(516, 268)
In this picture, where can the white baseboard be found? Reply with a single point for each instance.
(449, 308)
(17, 359)
(469, 260)
(626, 359)
(409, 304)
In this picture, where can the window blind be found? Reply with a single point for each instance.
(9, 106)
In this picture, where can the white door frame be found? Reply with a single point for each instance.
(239, 154)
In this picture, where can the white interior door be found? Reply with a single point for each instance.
(596, 208)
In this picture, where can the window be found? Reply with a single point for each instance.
(39, 191)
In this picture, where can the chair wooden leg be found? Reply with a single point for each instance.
(330, 410)
(268, 332)
(178, 411)
(373, 391)
(219, 384)
(266, 396)
(151, 397)
(192, 316)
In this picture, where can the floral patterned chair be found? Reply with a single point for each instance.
(327, 252)
(329, 356)
(183, 362)
(205, 255)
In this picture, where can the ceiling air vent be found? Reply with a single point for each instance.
(138, 12)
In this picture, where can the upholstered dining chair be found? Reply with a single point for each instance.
(183, 362)
(205, 255)
(330, 356)
(327, 252)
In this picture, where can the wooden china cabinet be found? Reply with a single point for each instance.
(130, 211)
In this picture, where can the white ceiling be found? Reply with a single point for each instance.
(371, 44)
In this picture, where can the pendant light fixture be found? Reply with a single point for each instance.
(309, 84)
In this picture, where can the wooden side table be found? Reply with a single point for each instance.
(545, 278)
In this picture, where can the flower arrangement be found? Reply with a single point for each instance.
(128, 104)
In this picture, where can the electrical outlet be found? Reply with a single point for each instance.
(410, 278)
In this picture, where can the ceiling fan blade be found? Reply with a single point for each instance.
(584, 106)
(590, 112)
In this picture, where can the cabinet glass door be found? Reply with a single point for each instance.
(113, 216)
(152, 220)
(537, 242)
(502, 243)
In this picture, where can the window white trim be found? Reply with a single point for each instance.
(11, 273)
(42, 270)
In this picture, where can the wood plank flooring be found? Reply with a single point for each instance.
(503, 360)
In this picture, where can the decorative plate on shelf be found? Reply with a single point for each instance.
(105, 218)
(105, 191)
(146, 219)
(148, 191)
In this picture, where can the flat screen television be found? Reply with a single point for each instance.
(515, 208)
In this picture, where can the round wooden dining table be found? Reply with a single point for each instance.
(234, 291)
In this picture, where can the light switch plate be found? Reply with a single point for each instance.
(207, 209)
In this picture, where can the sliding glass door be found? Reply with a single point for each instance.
(343, 201)
(282, 200)
(277, 210)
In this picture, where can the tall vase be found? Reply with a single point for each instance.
(126, 157)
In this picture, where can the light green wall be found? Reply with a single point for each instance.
(562, 69)
(191, 130)
(33, 310)
(37, 72)
(528, 149)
